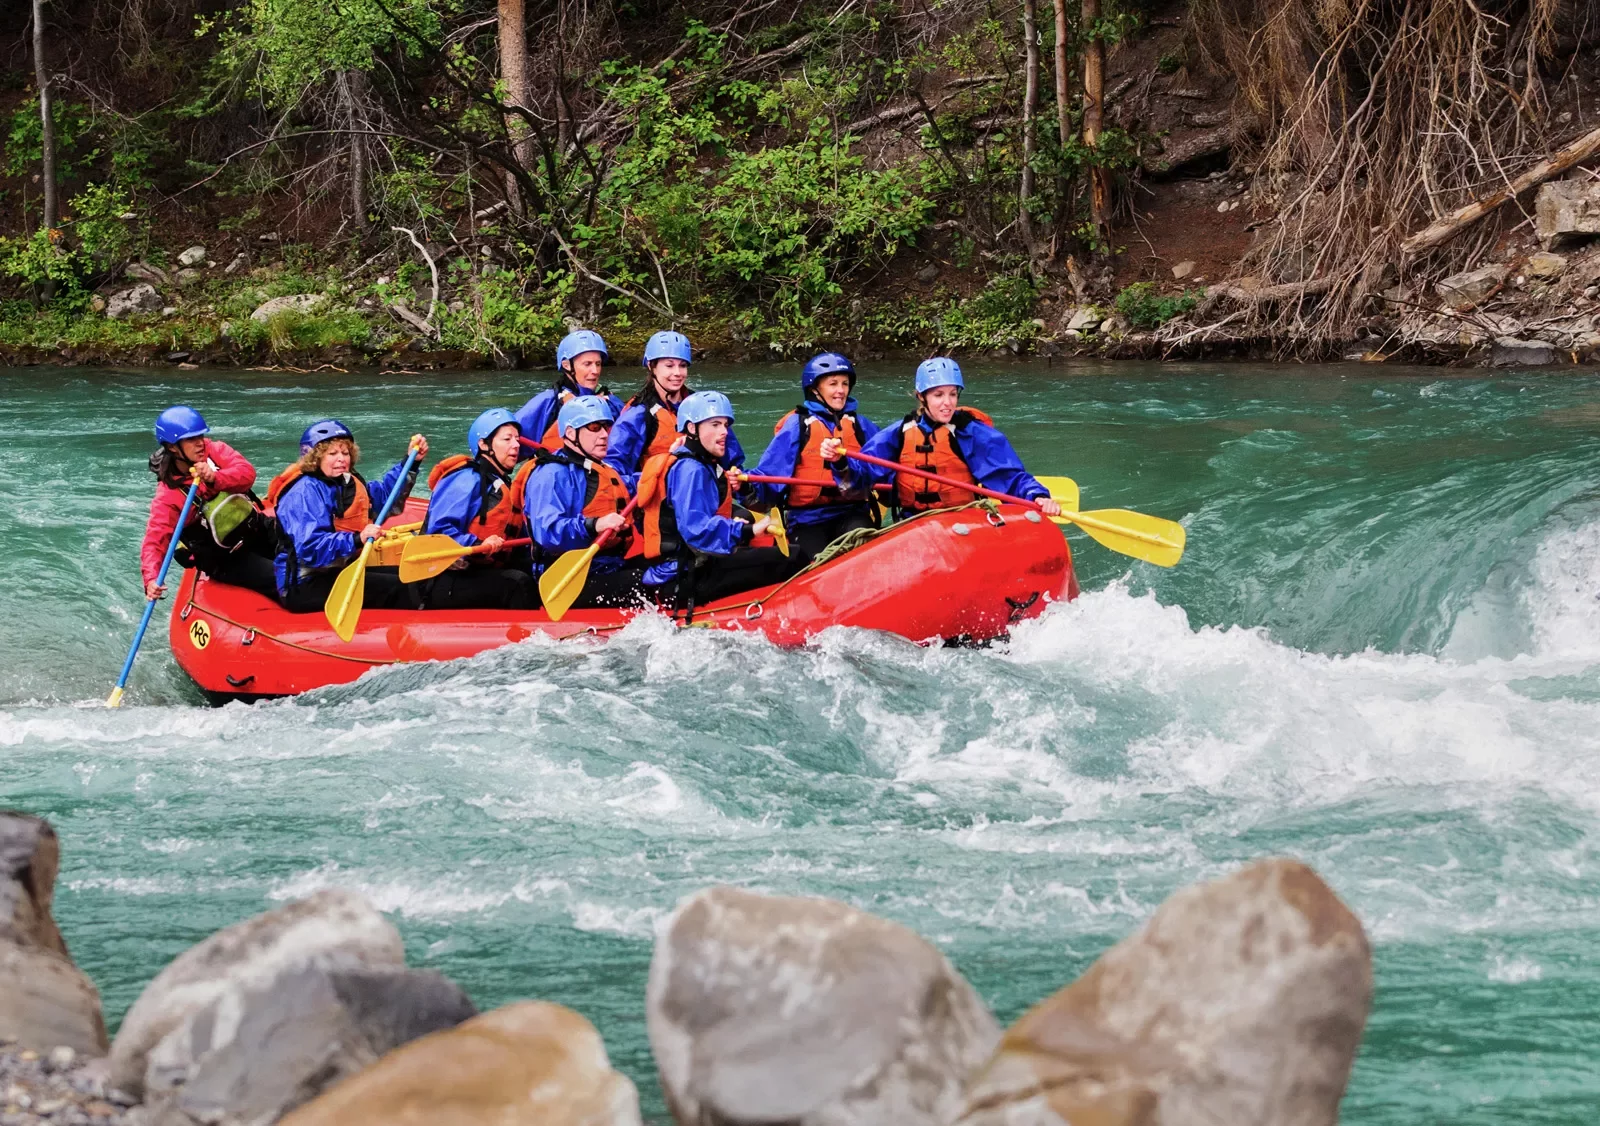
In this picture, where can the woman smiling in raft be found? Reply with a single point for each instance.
(648, 425)
(942, 437)
(819, 513)
(325, 510)
(581, 357)
(476, 498)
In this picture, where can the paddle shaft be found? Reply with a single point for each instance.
(461, 549)
(767, 479)
(150, 604)
(1075, 517)
(366, 548)
(605, 537)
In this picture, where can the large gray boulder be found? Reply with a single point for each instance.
(1566, 210)
(808, 1012)
(1515, 352)
(141, 298)
(1471, 286)
(295, 302)
(45, 1000)
(1241, 1001)
(255, 1053)
(333, 928)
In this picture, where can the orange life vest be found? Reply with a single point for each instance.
(808, 463)
(935, 453)
(552, 436)
(657, 524)
(504, 516)
(357, 514)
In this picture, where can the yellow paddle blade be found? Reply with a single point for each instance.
(775, 529)
(427, 556)
(401, 530)
(1144, 537)
(343, 607)
(115, 699)
(564, 580)
(1064, 491)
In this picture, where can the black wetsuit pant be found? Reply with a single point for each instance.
(718, 576)
(249, 565)
(482, 588)
(384, 591)
(613, 589)
(808, 540)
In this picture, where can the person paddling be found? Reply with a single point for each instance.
(648, 424)
(943, 437)
(694, 539)
(476, 499)
(822, 512)
(324, 510)
(581, 357)
(574, 496)
(231, 554)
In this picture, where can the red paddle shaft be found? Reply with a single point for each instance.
(627, 511)
(764, 479)
(478, 548)
(943, 480)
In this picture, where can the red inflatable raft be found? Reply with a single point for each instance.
(959, 573)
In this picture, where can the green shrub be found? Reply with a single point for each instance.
(1143, 307)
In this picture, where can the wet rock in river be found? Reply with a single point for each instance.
(334, 928)
(1240, 1001)
(255, 1053)
(807, 1011)
(527, 1064)
(45, 1000)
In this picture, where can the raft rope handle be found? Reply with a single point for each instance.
(192, 604)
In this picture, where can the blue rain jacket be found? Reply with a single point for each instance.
(994, 464)
(305, 514)
(779, 461)
(692, 492)
(539, 413)
(456, 502)
(626, 452)
(554, 498)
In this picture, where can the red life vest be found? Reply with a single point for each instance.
(500, 515)
(935, 453)
(657, 524)
(808, 463)
(356, 515)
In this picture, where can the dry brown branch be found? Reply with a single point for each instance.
(433, 269)
(1435, 234)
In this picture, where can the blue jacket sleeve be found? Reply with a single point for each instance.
(625, 454)
(994, 464)
(694, 503)
(777, 461)
(535, 417)
(453, 505)
(380, 489)
(554, 499)
(858, 475)
(305, 513)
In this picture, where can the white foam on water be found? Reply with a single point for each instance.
(1515, 970)
(606, 918)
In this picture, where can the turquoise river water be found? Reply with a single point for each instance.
(1381, 654)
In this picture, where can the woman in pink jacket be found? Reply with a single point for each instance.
(244, 556)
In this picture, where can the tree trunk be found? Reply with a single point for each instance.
(1063, 121)
(1094, 92)
(1030, 108)
(514, 69)
(352, 88)
(47, 136)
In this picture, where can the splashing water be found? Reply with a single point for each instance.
(1381, 655)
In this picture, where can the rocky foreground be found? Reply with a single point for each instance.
(1240, 1001)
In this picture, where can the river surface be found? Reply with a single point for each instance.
(1381, 655)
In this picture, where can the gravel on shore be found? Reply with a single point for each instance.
(55, 1088)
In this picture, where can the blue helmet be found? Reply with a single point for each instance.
(485, 425)
(175, 424)
(938, 372)
(581, 410)
(575, 344)
(667, 346)
(826, 363)
(701, 406)
(321, 432)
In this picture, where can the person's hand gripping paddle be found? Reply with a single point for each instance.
(343, 607)
(564, 579)
(115, 699)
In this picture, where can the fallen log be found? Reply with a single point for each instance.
(1442, 230)
(1188, 148)
(1259, 294)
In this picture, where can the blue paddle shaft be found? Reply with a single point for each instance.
(399, 486)
(161, 580)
